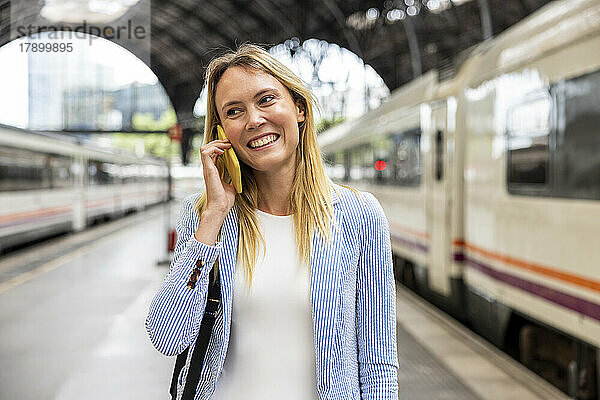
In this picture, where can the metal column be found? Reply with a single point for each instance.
(486, 19)
(413, 47)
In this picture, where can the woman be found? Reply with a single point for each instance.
(305, 265)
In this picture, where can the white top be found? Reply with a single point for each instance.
(271, 353)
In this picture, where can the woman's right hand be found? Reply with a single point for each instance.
(220, 196)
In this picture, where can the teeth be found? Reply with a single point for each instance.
(262, 141)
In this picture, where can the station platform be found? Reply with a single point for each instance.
(72, 313)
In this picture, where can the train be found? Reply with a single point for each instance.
(53, 183)
(490, 179)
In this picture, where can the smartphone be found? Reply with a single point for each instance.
(232, 165)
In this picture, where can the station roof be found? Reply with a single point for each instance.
(186, 34)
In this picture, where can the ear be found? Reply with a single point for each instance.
(300, 114)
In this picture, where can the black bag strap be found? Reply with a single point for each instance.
(208, 320)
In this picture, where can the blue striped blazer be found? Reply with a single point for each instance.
(352, 296)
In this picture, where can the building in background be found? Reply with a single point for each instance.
(83, 91)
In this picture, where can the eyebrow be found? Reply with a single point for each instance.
(260, 93)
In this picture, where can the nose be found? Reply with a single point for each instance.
(254, 118)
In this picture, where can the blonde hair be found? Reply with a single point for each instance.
(310, 197)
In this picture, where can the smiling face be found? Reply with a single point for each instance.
(260, 118)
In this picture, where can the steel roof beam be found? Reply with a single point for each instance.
(486, 19)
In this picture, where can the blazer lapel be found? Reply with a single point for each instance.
(227, 260)
(326, 297)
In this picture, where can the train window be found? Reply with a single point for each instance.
(439, 156)
(22, 169)
(407, 158)
(336, 166)
(383, 164)
(368, 160)
(347, 165)
(130, 173)
(114, 171)
(103, 173)
(356, 165)
(578, 138)
(528, 132)
(572, 168)
(152, 173)
(60, 171)
(361, 164)
(391, 160)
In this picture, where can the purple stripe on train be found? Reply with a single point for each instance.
(577, 304)
(568, 301)
(459, 257)
(408, 243)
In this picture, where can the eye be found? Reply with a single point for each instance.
(231, 112)
(266, 99)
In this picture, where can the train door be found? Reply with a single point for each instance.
(439, 201)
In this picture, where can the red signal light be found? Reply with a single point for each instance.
(380, 165)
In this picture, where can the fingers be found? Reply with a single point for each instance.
(217, 143)
(219, 193)
(214, 148)
(209, 154)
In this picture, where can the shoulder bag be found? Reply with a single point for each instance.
(208, 320)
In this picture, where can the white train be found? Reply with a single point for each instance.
(51, 184)
(491, 183)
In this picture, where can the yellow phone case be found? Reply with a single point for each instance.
(231, 162)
